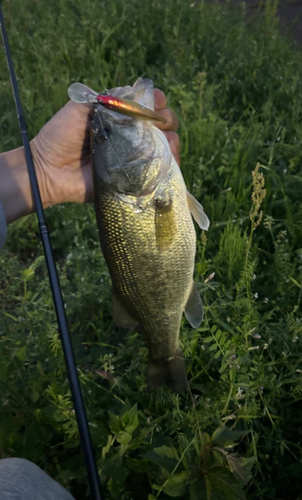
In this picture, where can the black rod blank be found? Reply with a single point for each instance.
(91, 467)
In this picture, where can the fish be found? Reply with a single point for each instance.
(147, 235)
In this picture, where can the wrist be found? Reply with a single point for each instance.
(15, 189)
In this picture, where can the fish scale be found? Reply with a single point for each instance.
(153, 280)
(146, 232)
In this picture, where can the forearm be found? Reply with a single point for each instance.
(15, 190)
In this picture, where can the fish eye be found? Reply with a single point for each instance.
(107, 131)
(101, 134)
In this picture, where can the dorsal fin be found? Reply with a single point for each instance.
(144, 94)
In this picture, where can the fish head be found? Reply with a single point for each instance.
(130, 155)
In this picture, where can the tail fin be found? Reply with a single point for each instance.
(170, 372)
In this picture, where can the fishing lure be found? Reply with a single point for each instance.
(80, 93)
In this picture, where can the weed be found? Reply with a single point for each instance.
(236, 87)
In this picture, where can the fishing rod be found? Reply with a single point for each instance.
(92, 472)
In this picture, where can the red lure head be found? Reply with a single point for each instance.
(130, 108)
(111, 102)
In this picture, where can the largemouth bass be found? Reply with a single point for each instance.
(146, 231)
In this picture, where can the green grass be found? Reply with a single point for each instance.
(237, 89)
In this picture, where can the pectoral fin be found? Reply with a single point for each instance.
(120, 316)
(194, 308)
(165, 223)
(198, 213)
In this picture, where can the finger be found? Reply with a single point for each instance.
(174, 144)
(160, 100)
(78, 107)
(172, 120)
(174, 138)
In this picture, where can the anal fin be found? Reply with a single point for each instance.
(194, 308)
(121, 317)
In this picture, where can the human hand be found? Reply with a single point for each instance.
(61, 151)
